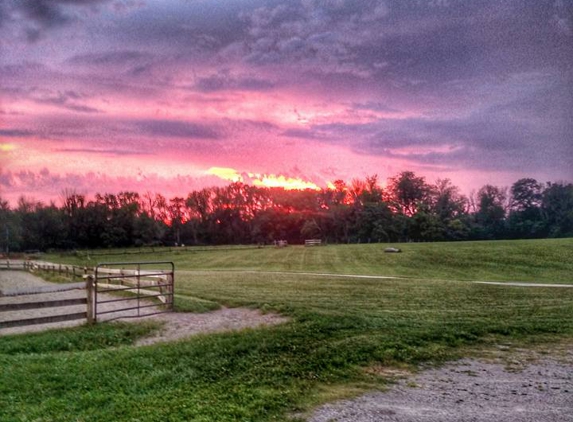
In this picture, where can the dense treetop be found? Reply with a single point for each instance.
(408, 209)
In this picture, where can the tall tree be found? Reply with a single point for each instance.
(526, 194)
(491, 210)
(446, 200)
(557, 208)
(407, 191)
(525, 218)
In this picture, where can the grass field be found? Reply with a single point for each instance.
(548, 260)
(339, 326)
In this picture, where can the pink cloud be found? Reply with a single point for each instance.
(46, 186)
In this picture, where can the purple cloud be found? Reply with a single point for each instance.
(479, 85)
(67, 100)
(176, 129)
(14, 133)
(225, 82)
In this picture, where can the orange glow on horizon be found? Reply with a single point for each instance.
(288, 183)
(7, 147)
(225, 173)
(262, 180)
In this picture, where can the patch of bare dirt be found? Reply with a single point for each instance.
(182, 325)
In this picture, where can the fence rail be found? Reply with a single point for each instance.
(40, 305)
(38, 290)
(312, 242)
(139, 284)
(11, 307)
(73, 271)
(14, 265)
(43, 320)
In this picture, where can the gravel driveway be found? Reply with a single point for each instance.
(470, 390)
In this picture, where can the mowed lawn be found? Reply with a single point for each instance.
(339, 326)
(547, 260)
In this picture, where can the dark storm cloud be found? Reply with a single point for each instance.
(477, 132)
(185, 28)
(67, 100)
(50, 13)
(115, 58)
(374, 106)
(118, 152)
(144, 135)
(15, 133)
(525, 124)
(44, 12)
(176, 129)
(82, 127)
(303, 134)
(44, 15)
(482, 132)
(3, 15)
(317, 36)
(118, 66)
(222, 82)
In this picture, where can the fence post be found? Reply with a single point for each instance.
(90, 286)
(171, 291)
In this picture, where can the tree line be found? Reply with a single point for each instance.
(408, 209)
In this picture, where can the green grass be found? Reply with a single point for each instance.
(77, 339)
(189, 303)
(548, 260)
(339, 326)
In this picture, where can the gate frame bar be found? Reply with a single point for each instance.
(92, 288)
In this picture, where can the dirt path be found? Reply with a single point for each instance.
(527, 387)
(177, 325)
(181, 325)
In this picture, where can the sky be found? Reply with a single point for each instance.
(175, 95)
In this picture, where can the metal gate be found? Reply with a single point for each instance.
(132, 289)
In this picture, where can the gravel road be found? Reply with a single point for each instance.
(470, 390)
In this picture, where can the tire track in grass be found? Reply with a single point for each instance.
(382, 277)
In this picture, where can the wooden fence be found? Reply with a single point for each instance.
(312, 242)
(86, 301)
(73, 271)
(15, 265)
(139, 283)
